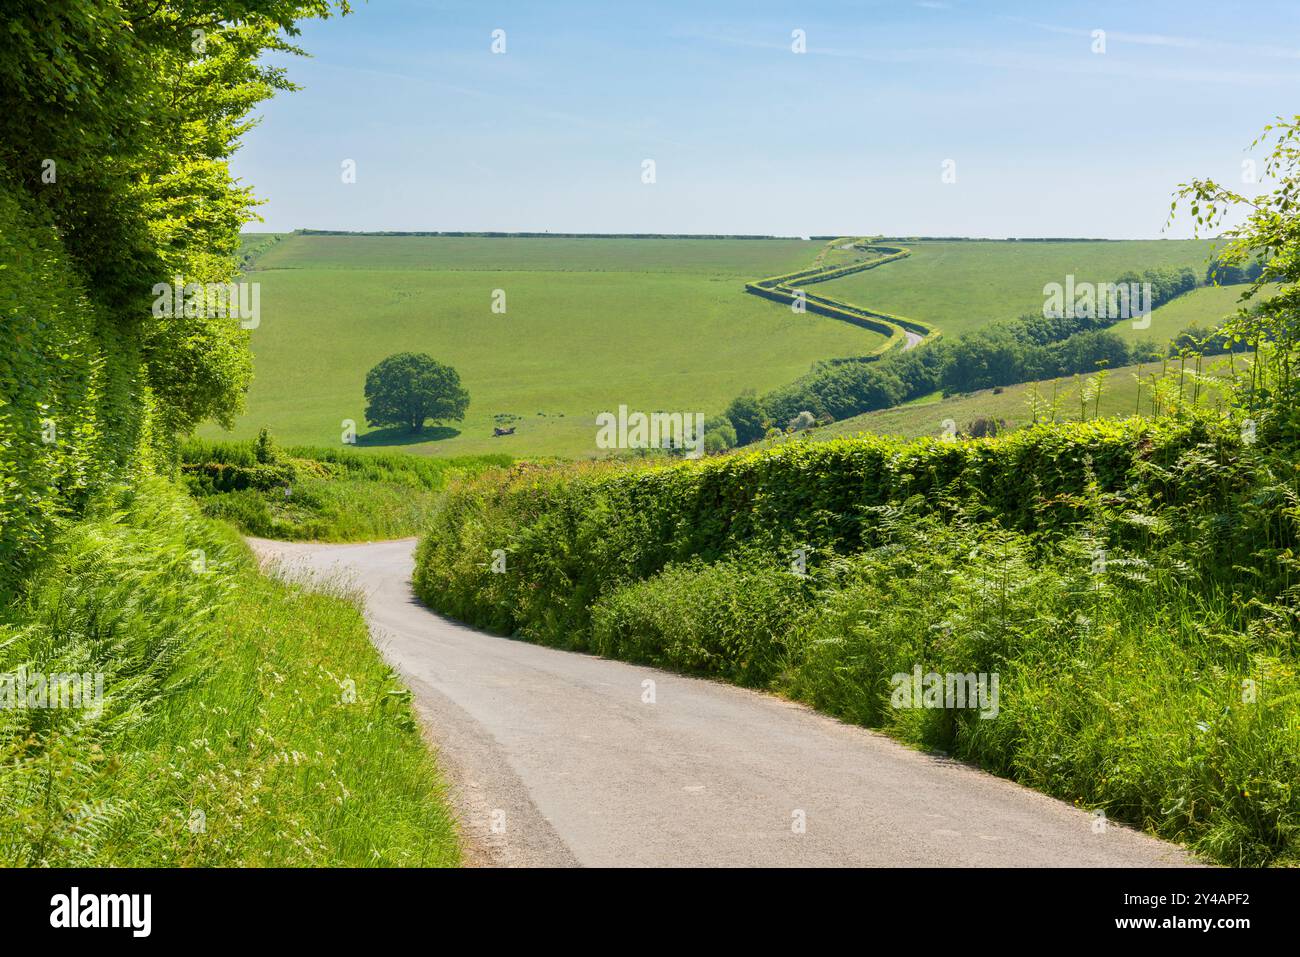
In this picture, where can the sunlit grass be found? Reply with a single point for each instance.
(246, 721)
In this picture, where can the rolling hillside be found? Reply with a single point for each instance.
(960, 286)
(1202, 308)
(594, 323)
(1120, 396)
(589, 324)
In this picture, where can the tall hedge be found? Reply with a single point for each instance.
(117, 120)
(71, 406)
(572, 534)
(783, 289)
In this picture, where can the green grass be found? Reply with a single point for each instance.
(334, 495)
(1119, 396)
(591, 324)
(246, 722)
(961, 286)
(656, 325)
(743, 258)
(325, 510)
(1203, 308)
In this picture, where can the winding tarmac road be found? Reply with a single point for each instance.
(558, 759)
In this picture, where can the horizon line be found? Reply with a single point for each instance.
(828, 237)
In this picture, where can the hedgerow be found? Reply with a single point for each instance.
(783, 289)
(116, 125)
(1114, 691)
(571, 535)
(72, 406)
(1031, 348)
(206, 715)
(1129, 583)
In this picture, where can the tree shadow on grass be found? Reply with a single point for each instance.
(400, 436)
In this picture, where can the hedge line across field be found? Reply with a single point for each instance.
(785, 289)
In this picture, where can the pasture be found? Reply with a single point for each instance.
(1202, 308)
(1119, 395)
(961, 286)
(593, 323)
(588, 325)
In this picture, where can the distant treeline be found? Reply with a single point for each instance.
(980, 239)
(499, 235)
(491, 234)
(1232, 274)
(993, 239)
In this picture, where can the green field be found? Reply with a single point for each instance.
(1119, 396)
(747, 258)
(960, 286)
(589, 325)
(1203, 308)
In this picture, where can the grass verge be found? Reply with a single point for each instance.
(330, 495)
(243, 721)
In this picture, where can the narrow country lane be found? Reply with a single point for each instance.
(556, 759)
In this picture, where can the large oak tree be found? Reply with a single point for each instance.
(410, 388)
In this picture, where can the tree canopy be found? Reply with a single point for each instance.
(1266, 242)
(117, 119)
(409, 388)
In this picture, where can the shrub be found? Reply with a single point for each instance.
(802, 422)
(318, 494)
(985, 427)
(1119, 687)
(733, 620)
(719, 435)
(72, 412)
(748, 418)
(572, 534)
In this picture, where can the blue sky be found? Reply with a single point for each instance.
(1048, 138)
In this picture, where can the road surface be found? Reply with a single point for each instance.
(558, 758)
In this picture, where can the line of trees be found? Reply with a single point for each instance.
(785, 289)
(1225, 273)
(1028, 349)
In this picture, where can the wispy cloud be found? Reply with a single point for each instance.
(513, 103)
(1166, 40)
(1034, 62)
